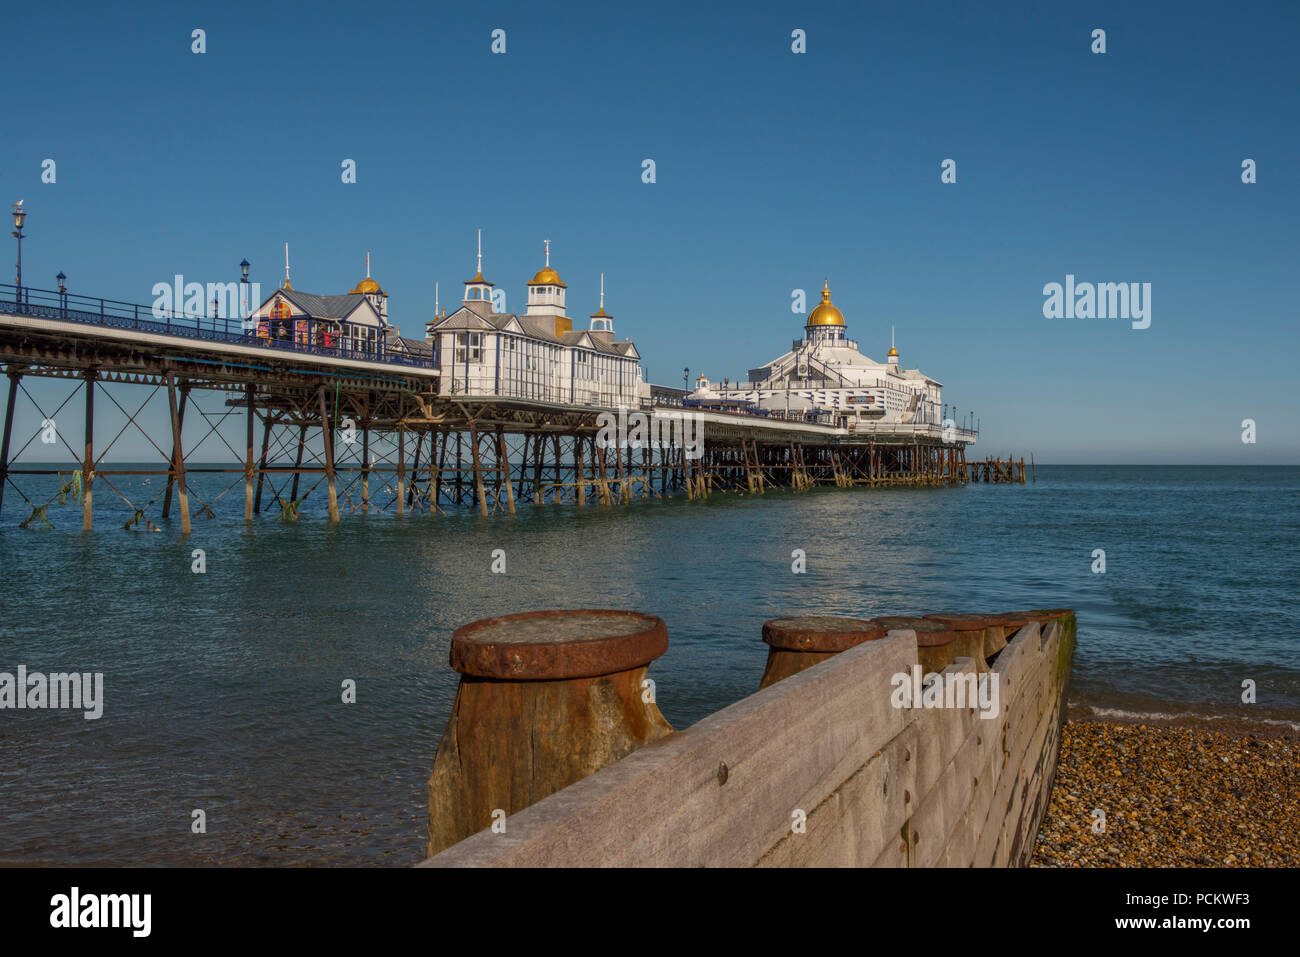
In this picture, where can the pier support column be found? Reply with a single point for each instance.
(365, 467)
(479, 490)
(88, 463)
(401, 468)
(178, 426)
(579, 470)
(8, 432)
(503, 463)
(249, 392)
(178, 454)
(545, 699)
(297, 462)
(327, 433)
(261, 469)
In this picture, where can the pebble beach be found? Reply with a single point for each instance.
(1173, 795)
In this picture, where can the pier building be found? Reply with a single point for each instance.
(825, 375)
(537, 355)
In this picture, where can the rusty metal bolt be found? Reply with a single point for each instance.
(545, 699)
(796, 644)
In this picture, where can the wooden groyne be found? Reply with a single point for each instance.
(845, 757)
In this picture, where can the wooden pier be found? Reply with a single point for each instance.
(359, 434)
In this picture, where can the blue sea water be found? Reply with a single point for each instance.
(223, 690)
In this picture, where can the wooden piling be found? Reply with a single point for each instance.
(88, 463)
(545, 699)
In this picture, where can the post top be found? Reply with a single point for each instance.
(823, 633)
(961, 621)
(554, 645)
(929, 633)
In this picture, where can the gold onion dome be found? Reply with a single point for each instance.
(893, 352)
(367, 285)
(546, 276)
(826, 314)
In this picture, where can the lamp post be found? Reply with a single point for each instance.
(19, 215)
(245, 307)
(63, 290)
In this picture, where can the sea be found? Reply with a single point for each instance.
(223, 691)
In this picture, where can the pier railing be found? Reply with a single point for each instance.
(115, 314)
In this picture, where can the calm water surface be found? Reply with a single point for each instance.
(222, 691)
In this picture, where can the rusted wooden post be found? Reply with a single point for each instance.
(934, 640)
(799, 643)
(978, 636)
(178, 456)
(545, 699)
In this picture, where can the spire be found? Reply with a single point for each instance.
(286, 267)
(547, 244)
(435, 300)
(893, 352)
(367, 263)
(601, 321)
(480, 251)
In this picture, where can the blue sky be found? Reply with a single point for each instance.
(773, 171)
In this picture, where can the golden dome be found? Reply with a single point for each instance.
(826, 314)
(367, 285)
(893, 352)
(546, 276)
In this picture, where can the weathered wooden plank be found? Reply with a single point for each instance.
(721, 792)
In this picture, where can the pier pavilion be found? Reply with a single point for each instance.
(826, 375)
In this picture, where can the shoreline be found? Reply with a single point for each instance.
(1174, 793)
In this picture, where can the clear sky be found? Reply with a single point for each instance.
(774, 170)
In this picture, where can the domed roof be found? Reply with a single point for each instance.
(826, 314)
(546, 276)
(893, 352)
(367, 285)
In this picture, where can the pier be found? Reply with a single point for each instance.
(355, 430)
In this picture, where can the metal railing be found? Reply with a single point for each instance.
(114, 314)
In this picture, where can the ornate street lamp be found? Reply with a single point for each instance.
(19, 215)
(247, 306)
(63, 290)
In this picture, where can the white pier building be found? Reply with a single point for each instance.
(825, 375)
(537, 355)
